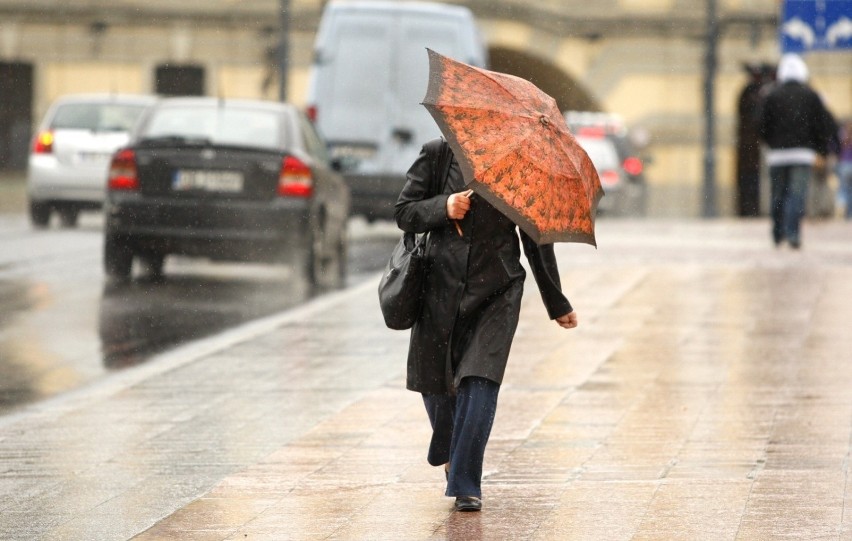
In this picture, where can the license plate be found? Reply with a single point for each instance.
(210, 181)
(358, 152)
(93, 157)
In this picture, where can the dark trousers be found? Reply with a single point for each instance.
(789, 186)
(461, 425)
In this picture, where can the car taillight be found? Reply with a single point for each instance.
(595, 132)
(609, 177)
(123, 174)
(296, 179)
(311, 111)
(43, 143)
(632, 166)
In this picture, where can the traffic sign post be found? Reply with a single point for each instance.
(816, 25)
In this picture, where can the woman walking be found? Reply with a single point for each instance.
(460, 343)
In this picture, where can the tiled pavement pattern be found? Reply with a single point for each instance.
(707, 394)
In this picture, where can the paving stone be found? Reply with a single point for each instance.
(705, 395)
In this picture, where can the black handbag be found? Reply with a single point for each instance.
(402, 284)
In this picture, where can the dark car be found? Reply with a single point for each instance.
(228, 180)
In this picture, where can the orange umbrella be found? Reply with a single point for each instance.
(515, 150)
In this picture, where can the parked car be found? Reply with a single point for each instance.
(227, 180)
(369, 75)
(604, 156)
(71, 152)
(625, 184)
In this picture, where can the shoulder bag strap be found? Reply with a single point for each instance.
(442, 166)
(444, 162)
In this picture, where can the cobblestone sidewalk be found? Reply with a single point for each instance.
(705, 395)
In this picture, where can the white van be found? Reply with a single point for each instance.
(367, 81)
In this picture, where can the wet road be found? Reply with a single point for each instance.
(62, 324)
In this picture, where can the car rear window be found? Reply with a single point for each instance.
(219, 125)
(601, 151)
(96, 116)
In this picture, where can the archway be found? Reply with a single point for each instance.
(568, 93)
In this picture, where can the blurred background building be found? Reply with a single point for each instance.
(641, 59)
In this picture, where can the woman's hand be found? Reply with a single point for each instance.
(458, 204)
(567, 321)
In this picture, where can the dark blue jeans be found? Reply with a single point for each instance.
(789, 193)
(461, 426)
(844, 173)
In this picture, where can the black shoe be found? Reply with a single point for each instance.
(795, 244)
(468, 503)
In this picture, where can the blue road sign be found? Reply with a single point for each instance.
(808, 25)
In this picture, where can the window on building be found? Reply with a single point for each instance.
(16, 98)
(179, 80)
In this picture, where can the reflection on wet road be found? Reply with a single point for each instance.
(144, 317)
(62, 325)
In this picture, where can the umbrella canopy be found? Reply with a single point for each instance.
(515, 150)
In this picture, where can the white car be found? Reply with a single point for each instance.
(71, 152)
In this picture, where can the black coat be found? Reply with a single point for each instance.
(475, 282)
(794, 116)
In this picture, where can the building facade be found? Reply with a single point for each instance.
(641, 59)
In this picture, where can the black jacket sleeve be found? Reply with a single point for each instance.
(418, 209)
(546, 272)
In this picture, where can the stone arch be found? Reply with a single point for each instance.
(569, 94)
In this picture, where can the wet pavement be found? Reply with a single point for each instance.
(705, 395)
(63, 325)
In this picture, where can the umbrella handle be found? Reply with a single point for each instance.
(458, 227)
(456, 222)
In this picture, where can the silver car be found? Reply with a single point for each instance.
(71, 152)
(625, 192)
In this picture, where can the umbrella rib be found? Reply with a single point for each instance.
(496, 80)
(506, 149)
(519, 144)
(507, 112)
(508, 115)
